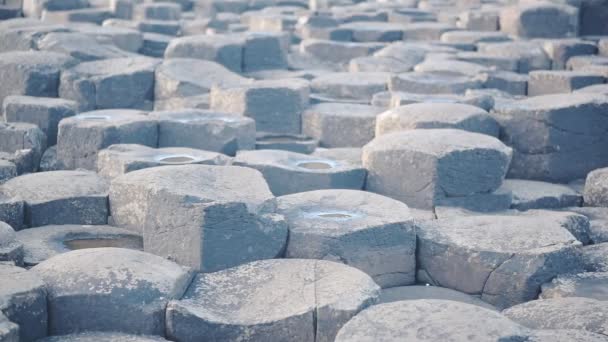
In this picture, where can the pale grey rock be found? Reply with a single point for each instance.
(433, 83)
(596, 188)
(207, 217)
(233, 304)
(41, 111)
(110, 83)
(595, 257)
(11, 250)
(23, 301)
(430, 320)
(437, 164)
(340, 125)
(370, 232)
(346, 85)
(540, 19)
(289, 172)
(540, 195)
(125, 290)
(60, 197)
(555, 138)
(103, 337)
(82, 136)
(543, 82)
(42, 243)
(592, 285)
(436, 115)
(562, 313)
(416, 292)
(206, 130)
(298, 143)
(119, 159)
(506, 257)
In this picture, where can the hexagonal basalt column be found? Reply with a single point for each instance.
(82, 136)
(206, 130)
(373, 233)
(505, 259)
(119, 159)
(23, 301)
(125, 290)
(437, 115)
(428, 320)
(289, 172)
(42, 243)
(60, 197)
(207, 217)
(555, 138)
(422, 166)
(271, 300)
(110, 83)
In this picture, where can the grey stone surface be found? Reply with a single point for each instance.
(275, 105)
(340, 124)
(430, 320)
(370, 232)
(23, 301)
(125, 290)
(234, 304)
(598, 222)
(103, 337)
(555, 138)
(11, 250)
(11, 211)
(540, 195)
(541, 19)
(33, 73)
(437, 115)
(226, 50)
(503, 258)
(595, 257)
(592, 285)
(596, 188)
(562, 313)
(60, 197)
(289, 172)
(349, 154)
(184, 77)
(206, 130)
(337, 52)
(433, 83)
(565, 335)
(43, 112)
(530, 54)
(543, 82)
(82, 136)
(359, 86)
(439, 162)
(80, 46)
(9, 331)
(207, 217)
(42, 243)
(299, 143)
(18, 136)
(416, 292)
(119, 159)
(560, 50)
(111, 83)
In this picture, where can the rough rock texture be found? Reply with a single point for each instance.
(430, 320)
(125, 290)
(505, 259)
(42, 243)
(555, 138)
(258, 302)
(440, 162)
(206, 130)
(207, 217)
(60, 197)
(399, 293)
(373, 233)
(82, 136)
(23, 301)
(289, 172)
(562, 313)
(592, 285)
(437, 115)
(540, 195)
